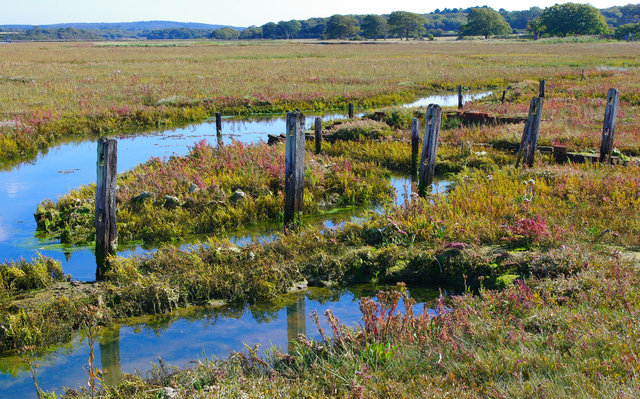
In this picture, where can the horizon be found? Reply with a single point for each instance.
(239, 13)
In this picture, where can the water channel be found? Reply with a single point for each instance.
(183, 335)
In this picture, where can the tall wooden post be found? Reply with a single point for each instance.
(429, 147)
(609, 125)
(460, 97)
(415, 147)
(504, 93)
(105, 216)
(529, 141)
(582, 74)
(318, 127)
(294, 167)
(350, 110)
(219, 128)
(541, 90)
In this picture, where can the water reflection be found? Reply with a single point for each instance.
(188, 334)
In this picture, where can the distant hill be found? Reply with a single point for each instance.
(139, 26)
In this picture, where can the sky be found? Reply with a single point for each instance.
(233, 12)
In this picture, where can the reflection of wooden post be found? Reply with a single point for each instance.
(110, 359)
(429, 147)
(609, 125)
(350, 111)
(219, 128)
(415, 147)
(105, 216)
(460, 97)
(296, 322)
(318, 128)
(294, 167)
(541, 90)
(529, 141)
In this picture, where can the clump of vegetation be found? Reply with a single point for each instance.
(23, 275)
(212, 189)
(361, 129)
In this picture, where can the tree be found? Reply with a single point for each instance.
(406, 24)
(225, 33)
(484, 21)
(289, 29)
(572, 19)
(374, 26)
(252, 32)
(628, 32)
(269, 30)
(341, 26)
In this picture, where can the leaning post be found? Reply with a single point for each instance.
(350, 110)
(219, 128)
(294, 167)
(318, 128)
(429, 147)
(460, 97)
(415, 147)
(529, 141)
(609, 124)
(105, 216)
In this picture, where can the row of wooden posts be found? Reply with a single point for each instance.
(422, 171)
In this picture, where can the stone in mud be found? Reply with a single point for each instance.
(140, 198)
(237, 196)
(299, 286)
(171, 202)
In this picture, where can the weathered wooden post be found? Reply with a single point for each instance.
(105, 216)
(294, 167)
(541, 90)
(350, 110)
(609, 125)
(504, 93)
(415, 147)
(529, 141)
(219, 128)
(429, 147)
(582, 73)
(318, 128)
(460, 97)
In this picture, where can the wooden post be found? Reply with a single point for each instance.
(294, 167)
(504, 93)
(429, 147)
(582, 73)
(609, 125)
(105, 216)
(415, 147)
(350, 110)
(219, 128)
(541, 91)
(529, 141)
(318, 128)
(460, 97)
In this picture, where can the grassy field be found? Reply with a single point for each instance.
(55, 91)
(546, 258)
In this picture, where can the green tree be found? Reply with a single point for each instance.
(572, 19)
(406, 24)
(374, 26)
(341, 26)
(289, 29)
(484, 21)
(628, 32)
(225, 33)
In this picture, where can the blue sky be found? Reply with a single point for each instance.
(229, 12)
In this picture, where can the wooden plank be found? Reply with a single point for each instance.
(460, 97)
(219, 128)
(318, 129)
(415, 147)
(432, 121)
(609, 124)
(350, 111)
(541, 90)
(105, 216)
(529, 141)
(294, 167)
